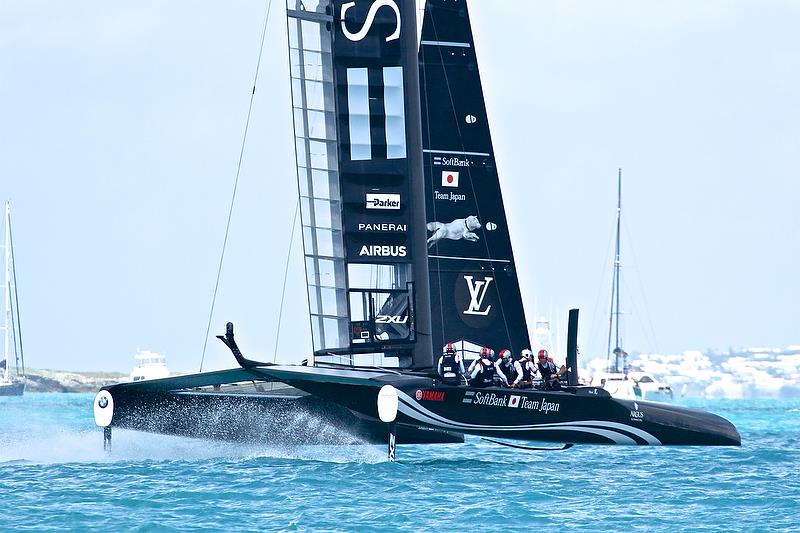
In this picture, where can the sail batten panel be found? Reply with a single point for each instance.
(353, 66)
(316, 140)
(394, 105)
(358, 114)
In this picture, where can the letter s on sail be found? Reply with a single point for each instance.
(360, 34)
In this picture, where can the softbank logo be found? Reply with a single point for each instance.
(373, 10)
(477, 294)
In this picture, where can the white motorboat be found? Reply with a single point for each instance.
(149, 365)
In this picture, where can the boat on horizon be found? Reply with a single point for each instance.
(11, 385)
(149, 365)
(406, 248)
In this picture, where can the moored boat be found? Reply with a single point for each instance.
(11, 384)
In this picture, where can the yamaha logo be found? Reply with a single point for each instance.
(382, 201)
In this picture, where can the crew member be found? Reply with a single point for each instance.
(549, 373)
(560, 371)
(524, 370)
(450, 366)
(474, 363)
(504, 368)
(482, 374)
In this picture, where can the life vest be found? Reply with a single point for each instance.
(486, 375)
(544, 369)
(507, 369)
(450, 369)
(526, 371)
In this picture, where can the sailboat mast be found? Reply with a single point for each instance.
(7, 287)
(613, 321)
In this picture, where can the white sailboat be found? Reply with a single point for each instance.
(11, 385)
(618, 380)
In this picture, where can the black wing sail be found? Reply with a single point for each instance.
(475, 294)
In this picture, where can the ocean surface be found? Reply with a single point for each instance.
(54, 475)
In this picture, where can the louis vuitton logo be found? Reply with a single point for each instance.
(477, 294)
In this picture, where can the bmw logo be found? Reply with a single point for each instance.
(102, 402)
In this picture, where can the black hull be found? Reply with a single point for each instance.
(16, 388)
(339, 406)
(585, 415)
(255, 418)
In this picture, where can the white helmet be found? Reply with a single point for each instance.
(527, 354)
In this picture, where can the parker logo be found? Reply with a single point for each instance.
(373, 10)
(382, 227)
(383, 201)
(378, 250)
(477, 295)
(391, 319)
(430, 395)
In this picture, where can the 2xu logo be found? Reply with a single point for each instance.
(391, 319)
(373, 10)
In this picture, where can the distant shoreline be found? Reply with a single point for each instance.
(45, 380)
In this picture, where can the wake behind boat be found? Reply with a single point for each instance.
(406, 248)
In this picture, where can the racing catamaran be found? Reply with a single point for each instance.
(406, 248)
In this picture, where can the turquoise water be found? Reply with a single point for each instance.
(55, 476)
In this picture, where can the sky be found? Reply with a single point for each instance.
(121, 125)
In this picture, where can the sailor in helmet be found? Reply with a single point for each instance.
(548, 371)
(482, 374)
(475, 362)
(450, 366)
(504, 368)
(524, 370)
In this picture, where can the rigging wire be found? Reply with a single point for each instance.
(236, 181)
(600, 290)
(469, 173)
(649, 317)
(16, 299)
(424, 85)
(285, 277)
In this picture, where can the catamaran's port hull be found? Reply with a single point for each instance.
(256, 418)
